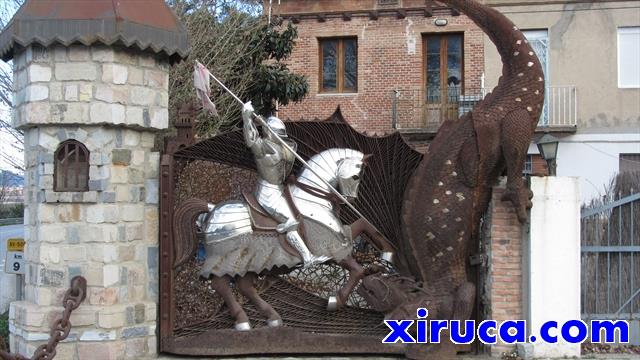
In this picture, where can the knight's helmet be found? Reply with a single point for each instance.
(277, 126)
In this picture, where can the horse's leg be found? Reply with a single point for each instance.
(221, 286)
(356, 273)
(247, 288)
(361, 226)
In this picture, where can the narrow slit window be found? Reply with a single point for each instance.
(71, 170)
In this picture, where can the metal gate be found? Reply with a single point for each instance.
(610, 244)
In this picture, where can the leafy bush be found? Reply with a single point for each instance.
(4, 331)
(11, 211)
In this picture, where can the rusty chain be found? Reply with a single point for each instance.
(60, 328)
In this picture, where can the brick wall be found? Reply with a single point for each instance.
(504, 283)
(390, 56)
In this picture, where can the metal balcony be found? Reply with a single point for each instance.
(423, 111)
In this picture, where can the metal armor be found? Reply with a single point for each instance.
(274, 163)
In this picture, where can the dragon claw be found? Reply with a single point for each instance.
(521, 201)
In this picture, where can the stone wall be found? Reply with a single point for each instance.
(113, 102)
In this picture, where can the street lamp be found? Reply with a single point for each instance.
(548, 147)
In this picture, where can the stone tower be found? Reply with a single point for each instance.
(90, 93)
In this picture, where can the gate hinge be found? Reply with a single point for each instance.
(478, 259)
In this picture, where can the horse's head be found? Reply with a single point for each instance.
(350, 175)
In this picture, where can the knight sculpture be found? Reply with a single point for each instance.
(274, 164)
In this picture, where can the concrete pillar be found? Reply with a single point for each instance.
(552, 265)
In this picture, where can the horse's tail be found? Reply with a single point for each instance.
(184, 229)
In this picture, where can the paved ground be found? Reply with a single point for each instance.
(480, 357)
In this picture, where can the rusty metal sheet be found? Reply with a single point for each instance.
(148, 25)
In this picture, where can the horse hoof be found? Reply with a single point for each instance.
(387, 256)
(274, 323)
(332, 304)
(243, 326)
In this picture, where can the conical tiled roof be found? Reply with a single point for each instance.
(148, 25)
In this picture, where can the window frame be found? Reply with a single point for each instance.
(443, 64)
(80, 169)
(619, 31)
(339, 68)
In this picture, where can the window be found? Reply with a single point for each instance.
(629, 163)
(528, 165)
(71, 170)
(628, 57)
(339, 65)
(444, 67)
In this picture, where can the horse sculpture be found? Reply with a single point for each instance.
(239, 247)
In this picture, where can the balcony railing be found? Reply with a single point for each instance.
(425, 110)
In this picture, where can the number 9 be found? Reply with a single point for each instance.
(16, 266)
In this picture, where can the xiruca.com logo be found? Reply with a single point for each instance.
(489, 332)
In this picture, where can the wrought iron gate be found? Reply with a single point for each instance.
(610, 241)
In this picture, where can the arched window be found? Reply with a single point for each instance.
(71, 171)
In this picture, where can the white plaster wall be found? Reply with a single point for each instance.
(595, 159)
(7, 288)
(553, 266)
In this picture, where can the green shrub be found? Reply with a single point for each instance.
(4, 331)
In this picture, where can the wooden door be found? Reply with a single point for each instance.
(444, 71)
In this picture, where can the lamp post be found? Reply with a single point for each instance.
(548, 147)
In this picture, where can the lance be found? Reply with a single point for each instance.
(385, 255)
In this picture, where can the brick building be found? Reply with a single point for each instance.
(385, 63)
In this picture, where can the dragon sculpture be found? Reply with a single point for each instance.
(451, 188)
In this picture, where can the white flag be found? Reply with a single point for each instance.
(203, 89)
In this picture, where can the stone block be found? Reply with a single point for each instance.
(49, 254)
(125, 56)
(74, 271)
(131, 138)
(85, 92)
(111, 317)
(68, 212)
(134, 332)
(74, 253)
(119, 175)
(141, 95)
(103, 53)
(37, 53)
(36, 113)
(115, 73)
(156, 78)
(90, 196)
(71, 92)
(98, 185)
(114, 350)
(137, 157)
(147, 139)
(60, 53)
(112, 93)
(76, 71)
(109, 253)
(135, 348)
(151, 191)
(102, 296)
(133, 231)
(121, 157)
(107, 113)
(134, 116)
(135, 176)
(52, 233)
(126, 253)
(135, 76)
(132, 212)
(39, 73)
(55, 91)
(70, 113)
(111, 275)
(37, 92)
(79, 53)
(51, 277)
(97, 335)
(108, 197)
(159, 118)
